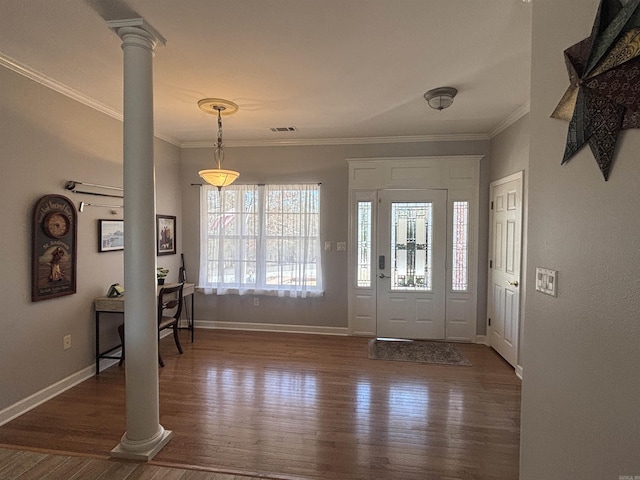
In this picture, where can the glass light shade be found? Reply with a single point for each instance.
(440, 98)
(218, 177)
(441, 102)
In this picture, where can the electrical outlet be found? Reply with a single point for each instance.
(341, 246)
(327, 246)
(256, 302)
(66, 342)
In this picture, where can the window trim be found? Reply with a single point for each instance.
(303, 246)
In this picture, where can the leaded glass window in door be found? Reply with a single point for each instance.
(364, 244)
(411, 246)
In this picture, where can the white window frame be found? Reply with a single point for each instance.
(253, 254)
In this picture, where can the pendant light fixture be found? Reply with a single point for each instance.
(217, 176)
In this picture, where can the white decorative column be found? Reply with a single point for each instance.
(144, 436)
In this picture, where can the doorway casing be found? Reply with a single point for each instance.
(505, 280)
(460, 177)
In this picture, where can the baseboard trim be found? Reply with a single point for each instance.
(519, 371)
(482, 340)
(32, 401)
(47, 393)
(363, 334)
(272, 327)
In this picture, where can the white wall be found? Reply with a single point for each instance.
(580, 414)
(47, 139)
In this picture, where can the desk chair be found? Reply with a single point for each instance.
(169, 311)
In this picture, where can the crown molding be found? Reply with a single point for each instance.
(510, 120)
(58, 87)
(48, 82)
(292, 142)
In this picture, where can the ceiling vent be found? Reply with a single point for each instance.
(284, 129)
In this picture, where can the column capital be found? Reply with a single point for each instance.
(137, 26)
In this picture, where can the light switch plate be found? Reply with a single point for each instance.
(547, 281)
(327, 246)
(341, 246)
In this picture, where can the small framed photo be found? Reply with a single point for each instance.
(165, 235)
(110, 235)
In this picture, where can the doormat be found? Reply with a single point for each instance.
(419, 351)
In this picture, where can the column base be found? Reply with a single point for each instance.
(142, 451)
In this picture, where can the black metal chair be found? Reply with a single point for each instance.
(169, 311)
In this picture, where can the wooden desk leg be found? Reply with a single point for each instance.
(189, 315)
(97, 343)
(193, 317)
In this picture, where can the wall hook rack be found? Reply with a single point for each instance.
(85, 204)
(71, 186)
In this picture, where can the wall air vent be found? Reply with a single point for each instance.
(284, 129)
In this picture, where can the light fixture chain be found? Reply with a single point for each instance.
(219, 152)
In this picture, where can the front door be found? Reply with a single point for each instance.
(504, 271)
(411, 264)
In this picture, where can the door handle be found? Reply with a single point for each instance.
(382, 275)
(513, 284)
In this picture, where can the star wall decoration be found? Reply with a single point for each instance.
(604, 74)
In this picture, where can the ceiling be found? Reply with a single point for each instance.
(336, 70)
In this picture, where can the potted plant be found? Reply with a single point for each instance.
(161, 274)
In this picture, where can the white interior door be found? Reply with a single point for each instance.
(411, 262)
(504, 271)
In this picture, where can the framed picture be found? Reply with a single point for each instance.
(110, 235)
(165, 235)
(53, 250)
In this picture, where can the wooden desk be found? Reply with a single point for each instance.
(116, 305)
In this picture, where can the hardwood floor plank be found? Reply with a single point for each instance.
(292, 406)
(64, 469)
(18, 463)
(91, 469)
(155, 472)
(43, 468)
(30, 465)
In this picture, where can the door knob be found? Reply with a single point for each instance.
(513, 284)
(382, 275)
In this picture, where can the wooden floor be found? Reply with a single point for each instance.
(34, 465)
(290, 406)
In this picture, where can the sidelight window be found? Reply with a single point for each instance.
(460, 247)
(364, 244)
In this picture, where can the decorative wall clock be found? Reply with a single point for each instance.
(604, 71)
(53, 257)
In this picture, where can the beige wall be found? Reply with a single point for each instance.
(47, 139)
(510, 150)
(581, 357)
(310, 164)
